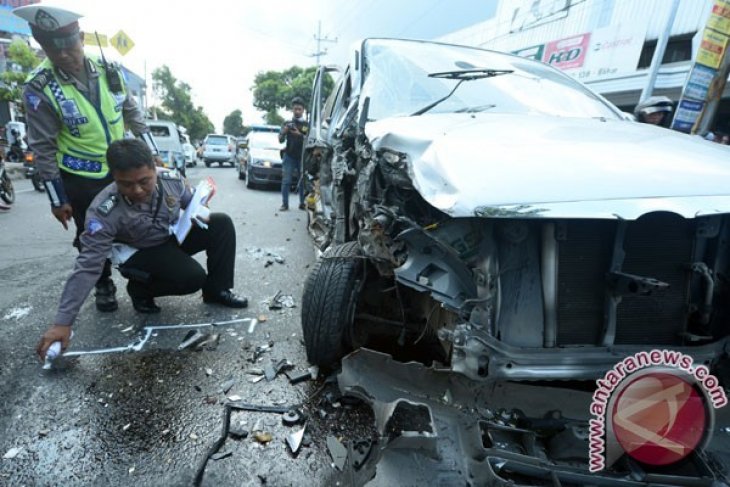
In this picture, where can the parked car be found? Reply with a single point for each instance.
(261, 162)
(500, 212)
(191, 158)
(220, 149)
(169, 143)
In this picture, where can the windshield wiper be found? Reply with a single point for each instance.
(479, 108)
(462, 75)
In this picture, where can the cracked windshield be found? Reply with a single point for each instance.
(386, 243)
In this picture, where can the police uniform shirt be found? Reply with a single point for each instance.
(113, 218)
(44, 124)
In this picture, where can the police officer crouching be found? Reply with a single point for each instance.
(138, 209)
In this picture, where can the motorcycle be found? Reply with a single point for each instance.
(32, 172)
(7, 192)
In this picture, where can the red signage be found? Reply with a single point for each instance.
(567, 53)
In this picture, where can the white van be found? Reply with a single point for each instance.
(169, 143)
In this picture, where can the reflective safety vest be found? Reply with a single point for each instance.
(87, 129)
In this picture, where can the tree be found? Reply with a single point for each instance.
(177, 104)
(22, 61)
(233, 124)
(273, 90)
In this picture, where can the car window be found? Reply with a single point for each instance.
(264, 140)
(217, 140)
(160, 131)
(398, 83)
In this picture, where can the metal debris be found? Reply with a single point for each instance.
(193, 337)
(279, 301)
(337, 451)
(294, 440)
(291, 417)
(300, 377)
(269, 372)
(258, 407)
(210, 343)
(221, 456)
(12, 453)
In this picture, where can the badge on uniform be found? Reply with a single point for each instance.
(33, 101)
(94, 226)
(107, 205)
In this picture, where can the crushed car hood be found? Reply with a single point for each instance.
(510, 165)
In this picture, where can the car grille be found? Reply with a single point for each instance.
(659, 245)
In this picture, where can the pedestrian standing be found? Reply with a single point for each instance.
(75, 107)
(293, 132)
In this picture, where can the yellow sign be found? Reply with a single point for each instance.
(720, 17)
(122, 42)
(712, 48)
(90, 40)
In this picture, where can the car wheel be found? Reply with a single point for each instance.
(207, 164)
(329, 302)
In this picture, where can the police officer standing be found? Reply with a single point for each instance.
(293, 132)
(75, 107)
(138, 209)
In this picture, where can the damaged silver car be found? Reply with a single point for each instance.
(499, 215)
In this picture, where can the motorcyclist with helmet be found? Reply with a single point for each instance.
(655, 110)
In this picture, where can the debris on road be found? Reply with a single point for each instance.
(279, 301)
(227, 385)
(12, 453)
(337, 451)
(221, 456)
(300, 377)
(17, 313)
(262, 318)
(294, 440)
(238, 433)
(292, 417)
(252, 325)
(263, 437)
(234, 398)
(193, 337)
(208, 371)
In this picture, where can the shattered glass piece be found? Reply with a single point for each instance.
(252, 325)
(234, 398)
(227, 386)
(256, 380)
(294, 440)
(208, 372)
(337, 451)
(255, 371)
(193, 436)
(126, 426)
(12, 453)
(210, 343)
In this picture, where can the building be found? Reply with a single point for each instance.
(606, 44)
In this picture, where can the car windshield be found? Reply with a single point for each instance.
(398, 84)
(264, 140)
(160, 130)
(216, 140)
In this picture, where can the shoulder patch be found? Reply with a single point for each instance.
(108, 205)
(41, 79)
(93, 226)
(169, 175)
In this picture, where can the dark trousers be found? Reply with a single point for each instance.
(169, 270)
(290, 168)
(81, 192)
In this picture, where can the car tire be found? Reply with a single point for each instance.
(207, 164)
(329, 302)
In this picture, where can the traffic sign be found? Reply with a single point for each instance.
(122, 42)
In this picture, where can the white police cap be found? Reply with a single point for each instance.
(47, 19)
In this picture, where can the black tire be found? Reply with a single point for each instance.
(329, 303)
(207, 164)
(37, 183)
(7, 192)
(249, 184)
(12, 157)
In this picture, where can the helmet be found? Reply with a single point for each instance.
(653, 104)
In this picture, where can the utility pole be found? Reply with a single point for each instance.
(661, 46)
(318, 37)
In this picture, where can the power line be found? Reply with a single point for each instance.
(318, 37)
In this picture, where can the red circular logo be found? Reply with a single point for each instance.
(659, 418)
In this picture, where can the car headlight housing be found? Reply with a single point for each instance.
(261, 163)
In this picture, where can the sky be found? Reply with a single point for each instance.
(217, 47)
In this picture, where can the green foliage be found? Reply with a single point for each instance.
(233, 124)
(274, 90)
(177, 104)
(22, 60)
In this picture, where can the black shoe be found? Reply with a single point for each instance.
(145, 305)
(283, 208)
(106, 299)
(225, 298)
(301, 206)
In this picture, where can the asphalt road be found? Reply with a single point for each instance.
(150, 417)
